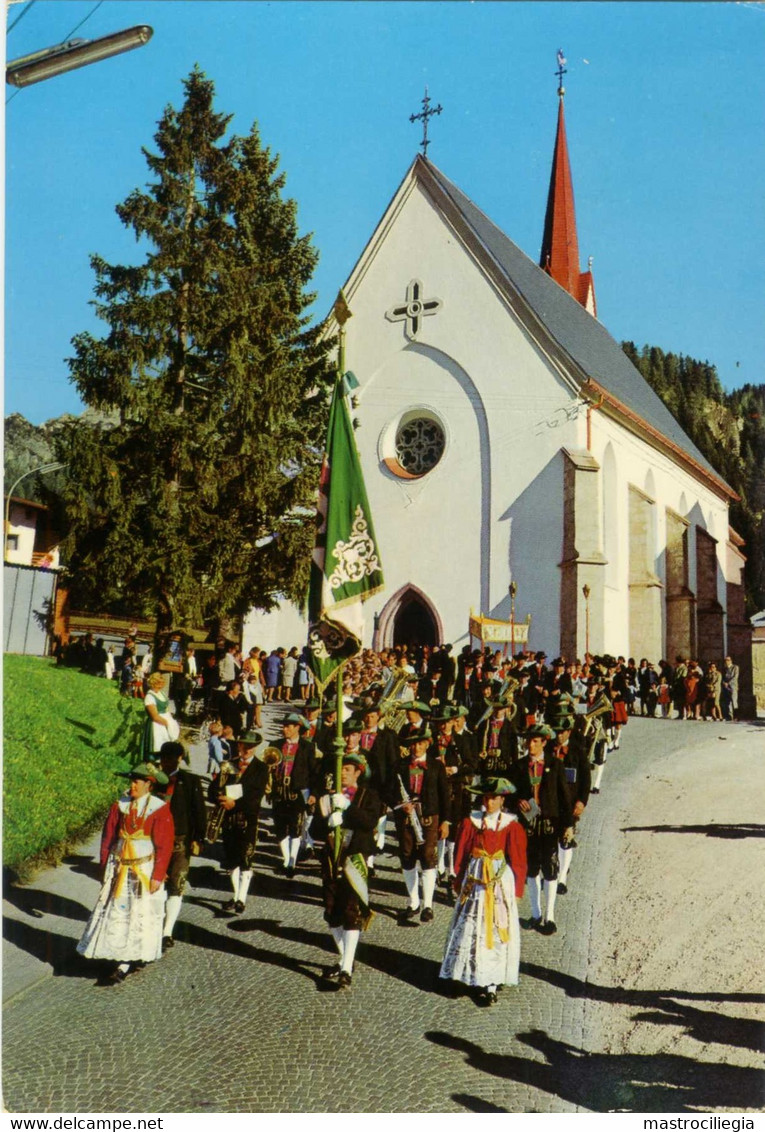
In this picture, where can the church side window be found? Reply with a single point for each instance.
(420, 445)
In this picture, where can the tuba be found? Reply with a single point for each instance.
(218, 813)
(392, 710)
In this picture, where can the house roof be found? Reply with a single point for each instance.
(599, 361)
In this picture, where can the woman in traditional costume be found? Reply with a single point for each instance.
(136, 846)
(483, 947)
(160, 726)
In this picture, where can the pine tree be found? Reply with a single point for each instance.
(198, 503)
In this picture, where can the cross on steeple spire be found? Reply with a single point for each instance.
(425, 113)
(559, 256)
(561, 72)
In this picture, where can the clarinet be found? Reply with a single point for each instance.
(414, 820)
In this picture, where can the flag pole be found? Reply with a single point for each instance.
(342, 314)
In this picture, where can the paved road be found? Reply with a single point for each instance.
(235, 1018)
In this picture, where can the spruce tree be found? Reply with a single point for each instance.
(198, 503)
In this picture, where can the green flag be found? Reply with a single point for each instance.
(345, 569)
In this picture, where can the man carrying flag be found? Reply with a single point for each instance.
(345, 572)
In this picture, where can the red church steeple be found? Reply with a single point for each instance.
(560, 247)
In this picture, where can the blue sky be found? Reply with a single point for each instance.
(665, 120)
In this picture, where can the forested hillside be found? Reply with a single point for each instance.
(729, 428)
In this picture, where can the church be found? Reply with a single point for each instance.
(508, 443)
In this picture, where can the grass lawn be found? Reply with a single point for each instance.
(65, 736)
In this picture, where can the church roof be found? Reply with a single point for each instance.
(600, 364)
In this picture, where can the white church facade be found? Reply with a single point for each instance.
(505, 437)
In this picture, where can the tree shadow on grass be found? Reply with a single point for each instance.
(616, 1082)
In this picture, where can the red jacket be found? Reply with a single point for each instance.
(158, 825)
(511, 840)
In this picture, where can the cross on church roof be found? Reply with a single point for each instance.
(413, 310)
(561, 71)
(424, 115)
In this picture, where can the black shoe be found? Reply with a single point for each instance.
(371, 872)
(490, 997)
(167, 943)
(407, 914)
(595, 790)
(330, 973)
(426, 915)
(137, 966)
(532, 924)
(344, 980)
(289, 871)
(548, 927)
(239, 907)
(229, 907)
(562, 889)
(117, 976)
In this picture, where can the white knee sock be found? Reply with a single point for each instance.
(172, 908)
(244, 884)
(338, 936)
(450, 858)
(371, 861)
(410, 880)
(441, 855)
(532, 883)
(598, 776)
(551, 891)
(284, 845)
(564, 856)
(350, 940)
(235, 881)
(123, 967)
(306, 832)
(294, 850)
(428, 887)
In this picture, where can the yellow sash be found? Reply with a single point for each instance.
(128, 860)
(488, 879)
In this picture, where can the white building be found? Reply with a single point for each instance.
(505, 436)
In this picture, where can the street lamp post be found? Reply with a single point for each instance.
(513, 588)
(51, 61)
(52, 467)
(586, 591)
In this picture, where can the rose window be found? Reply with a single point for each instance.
(420, 445)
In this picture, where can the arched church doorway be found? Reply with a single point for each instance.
(413, 624)
(408, 618)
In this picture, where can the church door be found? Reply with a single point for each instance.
(414, 624)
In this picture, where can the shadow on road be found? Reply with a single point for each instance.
(476, 1104)
(662, 1007)
(729, 832)
(616, 1082)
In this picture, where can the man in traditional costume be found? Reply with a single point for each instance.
(184, 794)
(291, 790)
(483, 948)
(419, 797)
(380, 748)
(353, 812)
(545, 807)
(136, 846)
(570, 748)
(241, 797)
